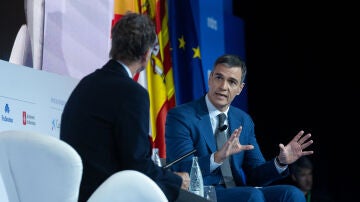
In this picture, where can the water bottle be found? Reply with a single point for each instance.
(156, 157)
(196, 179)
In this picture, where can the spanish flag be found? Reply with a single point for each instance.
(158, 77)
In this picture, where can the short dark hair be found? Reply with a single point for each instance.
(231, 61)
(132, 36)
(301, 163)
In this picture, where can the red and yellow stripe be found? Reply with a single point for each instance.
(159, 72)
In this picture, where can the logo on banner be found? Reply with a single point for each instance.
(28, 119)
(6, 117)
(55, 124)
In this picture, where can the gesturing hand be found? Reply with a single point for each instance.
(231, 146)
(295, 148)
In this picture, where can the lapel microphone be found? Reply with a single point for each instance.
(223, 127)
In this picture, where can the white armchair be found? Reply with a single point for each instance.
(128, 186)
(38, 167)
(42, 168)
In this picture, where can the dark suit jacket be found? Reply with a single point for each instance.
(188, 127)
(106, 120)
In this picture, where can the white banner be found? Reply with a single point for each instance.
(31, 99)
(76, 36)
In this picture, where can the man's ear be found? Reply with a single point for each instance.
(148, 53)
(241, 88)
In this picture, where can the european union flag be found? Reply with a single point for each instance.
(186, 59)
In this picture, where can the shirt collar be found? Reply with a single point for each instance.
(126, 68)
(213, 112)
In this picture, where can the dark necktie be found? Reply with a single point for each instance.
(221, 138)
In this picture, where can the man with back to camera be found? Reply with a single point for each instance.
(106, 118)
(237, 167)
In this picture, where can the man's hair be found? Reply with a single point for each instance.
(232, 61)
(132, 36)
(301, 163)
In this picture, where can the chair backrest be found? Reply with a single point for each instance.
(38, 167)
(21, 51)
(128, 186)
(28, 45)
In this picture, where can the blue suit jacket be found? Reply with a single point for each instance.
(188, 127)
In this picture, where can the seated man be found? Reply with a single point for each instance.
(302, 176)
(197, 125)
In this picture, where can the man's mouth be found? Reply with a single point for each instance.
(221, 95)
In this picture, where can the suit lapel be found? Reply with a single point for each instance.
(234, 122)
(205, 125)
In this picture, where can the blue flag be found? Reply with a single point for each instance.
(185, 52)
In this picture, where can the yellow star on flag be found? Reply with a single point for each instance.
(196, 52)
(182, 42)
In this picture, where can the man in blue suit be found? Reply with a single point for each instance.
(193, 125)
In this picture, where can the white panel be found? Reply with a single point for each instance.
(76, 36)
(32, 99)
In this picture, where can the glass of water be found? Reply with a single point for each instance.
(210, 193)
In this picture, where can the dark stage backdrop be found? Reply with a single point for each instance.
(12, 17)
(302, 76)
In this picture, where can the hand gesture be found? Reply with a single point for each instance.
(295, 148)
(231, 146)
